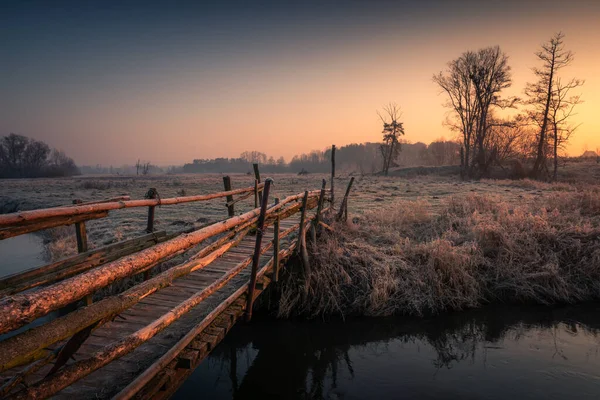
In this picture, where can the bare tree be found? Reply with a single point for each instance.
(138, 165)
(562, 106)
(392, 130)
(473, 83)
(542, 93)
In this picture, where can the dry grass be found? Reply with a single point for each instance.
(409, 258)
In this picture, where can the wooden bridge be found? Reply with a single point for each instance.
(149, 326)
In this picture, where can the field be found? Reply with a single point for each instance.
(415, 244)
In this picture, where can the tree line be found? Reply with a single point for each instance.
(361, 158)
(23, 157)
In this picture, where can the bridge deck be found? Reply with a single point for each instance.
(113, 377)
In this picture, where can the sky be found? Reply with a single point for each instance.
(168, 82)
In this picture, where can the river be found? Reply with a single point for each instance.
(525, 352)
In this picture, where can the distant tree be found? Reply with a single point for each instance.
(392, 130)
(22, 157)
(547, 99)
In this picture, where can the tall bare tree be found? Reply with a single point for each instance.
(562, 106)
(392, 130)
(543, 95)
(473, 83)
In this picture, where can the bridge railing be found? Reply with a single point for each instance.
(20, 223)
(31, 347)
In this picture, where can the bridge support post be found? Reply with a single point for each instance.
(260, 224)
(256, 202)
(332, 173)
(302, 250)
(276, 247)
(151, 194)
(82, 246)
(227, 185)
(257, 177)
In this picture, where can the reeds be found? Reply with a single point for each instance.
(476, 249)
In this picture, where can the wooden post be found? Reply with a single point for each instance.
(302, 251)
(256, 199)
(315, 224)
(151, 195)
(276, 247)
(227, 185)
(344, 206)
(82, 246)
(257, 177)
(257, 249)
(301, 232)
(320, 204)
(332, 173)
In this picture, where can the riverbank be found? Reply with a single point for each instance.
(412, 259)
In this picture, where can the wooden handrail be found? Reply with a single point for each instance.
(22, 217)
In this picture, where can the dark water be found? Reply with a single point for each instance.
(20, 253)
(17, 254)
(493, 353)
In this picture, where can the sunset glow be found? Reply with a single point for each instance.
(111, 84)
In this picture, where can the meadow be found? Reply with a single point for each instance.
(417, 242)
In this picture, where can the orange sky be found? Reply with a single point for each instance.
(171, 104)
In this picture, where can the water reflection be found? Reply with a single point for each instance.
(527, 352)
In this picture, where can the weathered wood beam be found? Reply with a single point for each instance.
(76, 264)
(38, 225)
(34, 215)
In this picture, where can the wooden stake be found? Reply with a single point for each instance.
(344, 205)
(257, 246)
(227, 185)
(332, 174)
(150, 226)
(302, 218)
(320, 204)
(276, 247)
(82, 247)
(302, 250)
(256, 201)
(257, 177)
